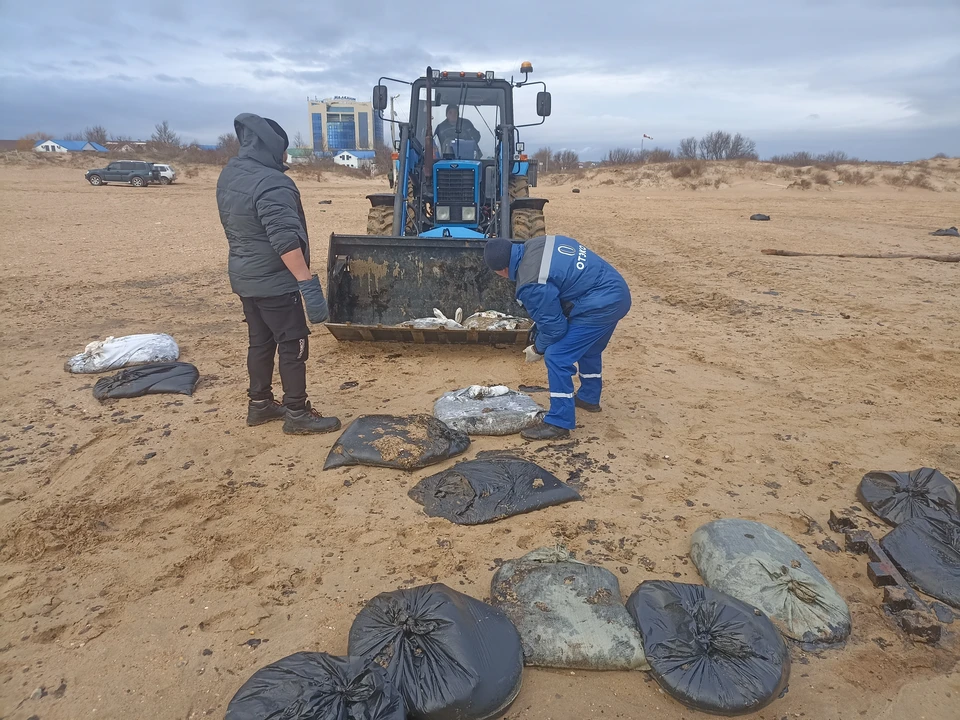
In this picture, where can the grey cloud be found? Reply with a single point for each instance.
(255, 56)
(164, 78)
(114, 59)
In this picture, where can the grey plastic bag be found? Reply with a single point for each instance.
(764, 568)
(482, 410)
(569, 614)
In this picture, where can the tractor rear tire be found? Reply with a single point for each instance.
(380, 220)
(519, 187)
(528, 223)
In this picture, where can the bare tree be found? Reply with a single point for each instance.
(228, 144)
(687, 149)
(741, 148)
(96, 134)
(73, 136)
(658, 155)
(29, 142)
(622, 156)
(298, 141)
(543, 157)
(715, 145)
(165, 138)
(566, 160)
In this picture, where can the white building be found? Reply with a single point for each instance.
(65, 146)
(355, 158)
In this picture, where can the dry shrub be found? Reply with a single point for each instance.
(854, 177)
(940, 156)
(191, 172)
(606, 182)
(903, 179)
(801, 184)
(690, 168)
(821, 178)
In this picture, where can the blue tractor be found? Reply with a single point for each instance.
(456, 183)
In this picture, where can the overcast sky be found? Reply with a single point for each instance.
(879, 79)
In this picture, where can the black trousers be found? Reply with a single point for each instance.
(277, 324)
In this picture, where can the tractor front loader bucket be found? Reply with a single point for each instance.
(374, 283)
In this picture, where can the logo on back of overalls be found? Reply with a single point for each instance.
(581, 255)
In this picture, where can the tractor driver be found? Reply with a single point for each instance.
(455, 127)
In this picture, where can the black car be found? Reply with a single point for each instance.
(135, 172)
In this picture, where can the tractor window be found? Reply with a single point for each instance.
(471, 134)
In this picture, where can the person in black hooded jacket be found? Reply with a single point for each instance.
(269, 267)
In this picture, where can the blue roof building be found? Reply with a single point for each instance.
(68, 146)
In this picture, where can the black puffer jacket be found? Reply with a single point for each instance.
(261, 211)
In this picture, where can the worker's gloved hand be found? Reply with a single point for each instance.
(313, 300)
(531, 354)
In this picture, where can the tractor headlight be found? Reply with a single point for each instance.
(469, 213)
(443, 213)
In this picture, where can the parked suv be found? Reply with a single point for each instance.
(167, 173)
(135, 172)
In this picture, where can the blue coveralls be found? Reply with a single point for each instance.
(576, 299)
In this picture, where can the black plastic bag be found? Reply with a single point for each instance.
(927, 552)
(569, 614)
(317, 686)
(759, 216)
(490, 488)
(153, 379)
(451, 656)
(896, 497)
(708, 650)
(408, 442)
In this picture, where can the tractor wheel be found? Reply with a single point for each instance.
(528, 223)
(380, 220)
(519, 187)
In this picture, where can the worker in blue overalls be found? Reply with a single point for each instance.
(575, 298)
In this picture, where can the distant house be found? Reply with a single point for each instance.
(64, 146)
(299, 156)
(355, 158)
(126, 145)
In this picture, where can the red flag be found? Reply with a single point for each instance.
(647, 137)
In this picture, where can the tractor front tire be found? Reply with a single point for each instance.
(380, 220)
(528, 223)
(519, 187)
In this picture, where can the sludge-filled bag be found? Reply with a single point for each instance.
(317, 686)
(492, 487)
(153, 379)
(405, 442)
(118, 352)
(764, 568)
(895, 497)
(569, 614)
(708, 650)
(927, 552)
(482, 410)
(452, 657)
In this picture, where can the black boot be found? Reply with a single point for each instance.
(584, 405)
(545, 431)
(264, 411)
(308, 422)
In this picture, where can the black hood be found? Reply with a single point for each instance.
(261, 139)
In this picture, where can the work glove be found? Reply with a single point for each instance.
(531, 354)
(313, 300)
